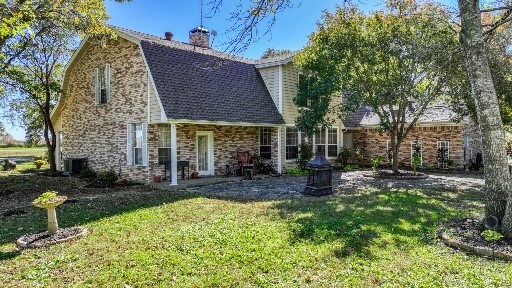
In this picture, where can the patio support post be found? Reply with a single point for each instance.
(57, 151)
(174, 156)
(279, 147)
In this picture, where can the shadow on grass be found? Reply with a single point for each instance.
(384, 217)
(380, 218)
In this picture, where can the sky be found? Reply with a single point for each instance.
(156, 17)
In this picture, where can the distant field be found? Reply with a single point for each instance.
(21, 151)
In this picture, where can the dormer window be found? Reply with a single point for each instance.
(102, 84)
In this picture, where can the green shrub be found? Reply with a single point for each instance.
(39, 163)
(416, 161)
(344, 156)
(87, 173)
(305, 155)
(109, 176)
(296, 172)
(351, 167)
(491, 235)
(376, 163)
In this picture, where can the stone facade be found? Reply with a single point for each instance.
(373, 143)
(227, 141)
(98, 132)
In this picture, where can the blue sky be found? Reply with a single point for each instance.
(179, 16)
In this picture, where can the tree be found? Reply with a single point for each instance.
(497, 181)
(35, 78)
(388, 61)
(33, 18)
(271, 52)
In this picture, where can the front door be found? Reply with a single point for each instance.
(204, 144)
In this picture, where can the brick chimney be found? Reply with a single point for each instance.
(168, 36)
(199, 37)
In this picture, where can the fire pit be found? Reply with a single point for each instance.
(319, 176)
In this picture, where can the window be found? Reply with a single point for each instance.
(164, 144)
(417, 150)
(332, 142)
(320, 141)
(265, 142)
(292, 143)
(326, 142)
(137, 144)
(443, 153)
(102, 84)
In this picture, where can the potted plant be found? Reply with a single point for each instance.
(39, 163)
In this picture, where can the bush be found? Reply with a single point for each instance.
(109, 176)
(491, 235)
(344, 156)
(39, 163)
(350, 167)
(416, 161)
(87, 173)
(296, 172)
(305, 155)
(376, 163)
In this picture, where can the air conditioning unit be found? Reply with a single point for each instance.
(74, 166)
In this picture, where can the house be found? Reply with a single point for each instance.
(143, 100)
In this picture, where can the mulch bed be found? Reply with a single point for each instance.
(44, 238)
(465, 233)
(401, 175)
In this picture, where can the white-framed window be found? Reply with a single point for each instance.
(164, 144)
(443, 153)
(325, 141)
(292, 143)
(266, 142)
(417, 149)
(102, 84)
(136, 144)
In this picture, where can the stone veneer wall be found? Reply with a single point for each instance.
(98, 131)
(472, 132)
(372, 143)
(227, 140)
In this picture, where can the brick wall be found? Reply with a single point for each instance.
(98, 131)
(373, 143)
(227, 140)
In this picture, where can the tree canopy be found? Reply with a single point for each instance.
(388, 61)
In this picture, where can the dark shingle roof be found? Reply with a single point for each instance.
(204, 84)
(197, 86)
(437, 113)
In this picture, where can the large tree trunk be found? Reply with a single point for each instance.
(496, 173)
(395, 146)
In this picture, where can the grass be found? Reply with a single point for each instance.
(22, 151)
(379, 238)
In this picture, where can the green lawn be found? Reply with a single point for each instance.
(22, 151)
(380, 238)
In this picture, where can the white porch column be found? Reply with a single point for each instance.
(279, 148)
(174, 156)
(57, 151)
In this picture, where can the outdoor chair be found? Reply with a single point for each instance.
(245, 165)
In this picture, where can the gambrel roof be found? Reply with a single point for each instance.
(202, 84)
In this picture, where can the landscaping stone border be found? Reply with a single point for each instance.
(482, 251)
(23, 243)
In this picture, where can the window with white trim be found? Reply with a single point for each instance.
(292, 143)
(332, 142)
(417, 149)
(266, 142)
(443, 153)
(102, 84)
(164, 144)
(137, 144)
(325, 141)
